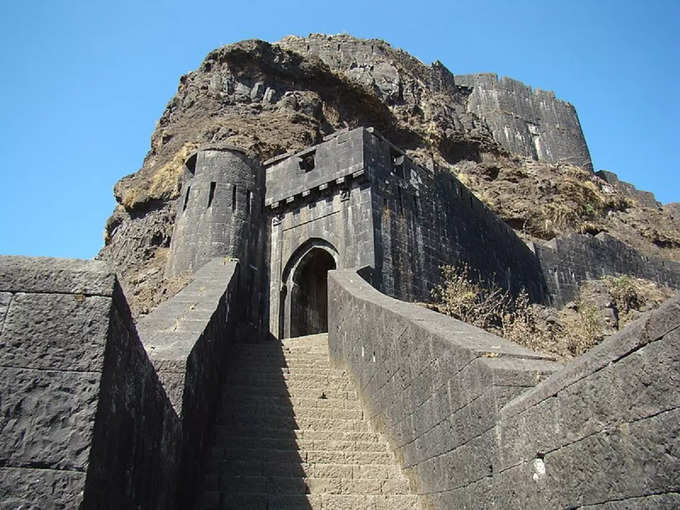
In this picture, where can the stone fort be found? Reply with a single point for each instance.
(294, 371)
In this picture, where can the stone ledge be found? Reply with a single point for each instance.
(54, 275)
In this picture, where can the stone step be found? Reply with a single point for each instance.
(293, 391)
(302, 456)
(304, 485)
(258, 467)
(215, 500)
(256, 410)
(269, 363)
(260, 424)
(263, 378)
(232, 400)
(294, 443)
(285, 372)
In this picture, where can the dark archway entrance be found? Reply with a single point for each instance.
(303, 300)
(309, 293)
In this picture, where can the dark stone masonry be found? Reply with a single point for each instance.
(224, 397)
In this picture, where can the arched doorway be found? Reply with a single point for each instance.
(305, 295)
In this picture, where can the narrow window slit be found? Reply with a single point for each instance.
(186, 199)
(211, 196)
(233, 198)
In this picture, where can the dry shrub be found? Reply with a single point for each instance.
(470, 300)
(581, 330)
(490, 307)
(566, 333)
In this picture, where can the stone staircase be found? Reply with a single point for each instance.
(291, 435)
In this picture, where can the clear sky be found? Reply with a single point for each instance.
(83, 83)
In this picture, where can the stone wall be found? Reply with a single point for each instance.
(316, 198)
(425, 218)
(188, 339)
(219, 213)
(461, 414)
(84, 418)
(604, 432)
(526, 121)
(644, 198)
(433, 385)
(568, 261)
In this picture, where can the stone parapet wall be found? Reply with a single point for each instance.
(433, 385)
(462, 414)
(187, 339)
(84, 418)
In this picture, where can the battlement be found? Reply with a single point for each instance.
(315, 169)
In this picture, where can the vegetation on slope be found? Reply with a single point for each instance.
(602, 308)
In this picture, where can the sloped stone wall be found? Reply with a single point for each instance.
(470, 429)
(83, 417)
(187, 339)
(433, 385)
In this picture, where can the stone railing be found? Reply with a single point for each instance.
(460, 410)
(187, 339)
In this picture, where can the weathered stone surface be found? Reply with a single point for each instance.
(644, 198)
(47, 417)
(526, 121)
(45, 274)
(5, 298)
(35, 488)
(55, 332)
(569, 261)
(599, 431)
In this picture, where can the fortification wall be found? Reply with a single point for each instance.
(214, 213)
(374, 206)
(462, 414)
(568, 261)
(219, 213)
(526, 121)
(604, 431)
(84, 418)
(318, 197)
(433, 385)
(425, 218)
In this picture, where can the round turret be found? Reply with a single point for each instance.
(218, 211)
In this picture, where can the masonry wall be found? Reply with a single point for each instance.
(188, 339)
(424, 219)
(459, 407)
(526, 121)
(328, 205)
(84, 419)
(568, 261)
(433, 385)
(219, 213)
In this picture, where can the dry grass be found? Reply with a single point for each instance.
(566, 333)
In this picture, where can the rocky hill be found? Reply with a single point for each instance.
(519, 150)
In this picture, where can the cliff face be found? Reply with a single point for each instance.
(269, 99)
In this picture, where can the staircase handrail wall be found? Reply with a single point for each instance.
(461, 413)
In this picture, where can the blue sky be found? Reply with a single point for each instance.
(83, 83)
